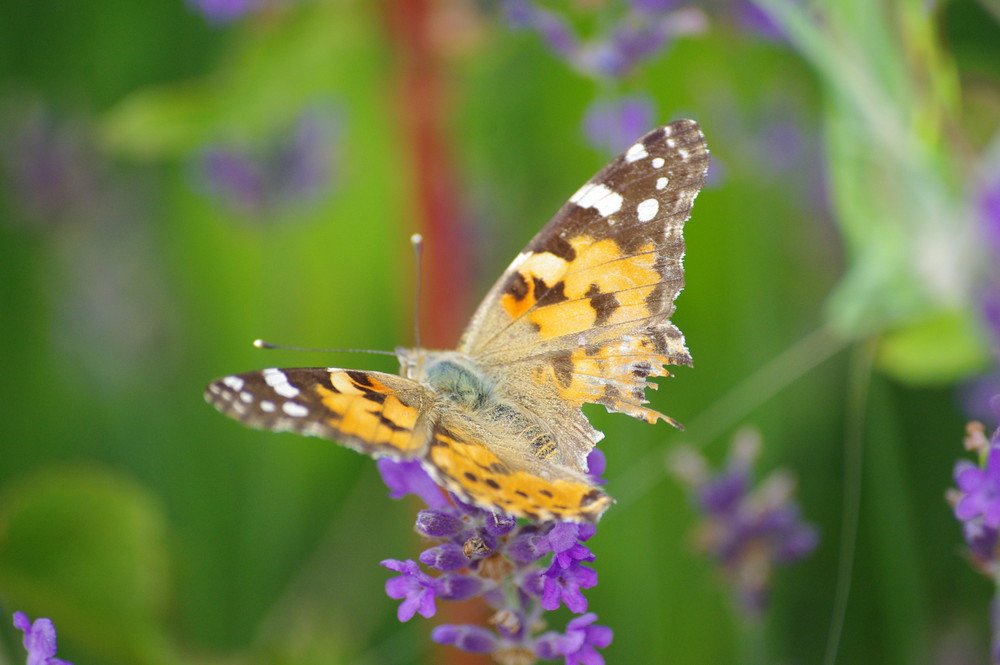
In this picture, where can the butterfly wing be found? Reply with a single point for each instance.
(583, 312)
(372, 412)
(470, 461)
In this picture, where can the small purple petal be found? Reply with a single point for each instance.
(525, 548)
(458, 587)
(724, 493)
(413, 586)
(597, 462)
(500, 525)
(439, 524)
(404, 478)
(444, 557)
(982, 540)
(564, 584)
(465, 637)
(39, 640)
(578, 644)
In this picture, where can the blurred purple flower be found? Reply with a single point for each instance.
(989, 212)
(39, 640)
(746, 530)
(643, 31)
(758, 21)
(52, 170)
(976, 501)
(224, 11)
(613, 125)
(979, 490)
(295, 167)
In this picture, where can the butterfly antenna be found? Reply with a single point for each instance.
(417, 241)
(261, 344)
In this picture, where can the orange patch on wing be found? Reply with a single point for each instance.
(599, 267)
(613, 364)
(543, 267)
(386, 423)
(472, 471)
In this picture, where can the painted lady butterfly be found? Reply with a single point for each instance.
(581, 315)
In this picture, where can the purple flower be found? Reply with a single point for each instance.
(747, 530)
(520, 570)
(235, 177)
(404, 478)
(52, 170)
(640, 33)
(579, 642)
(39, 640)
(439, 524)
(754, 19)
(562, 584)
(989, 211)
(444, 557)
(979, 490)
(416, 588)
(611, 126)
(554, 29)
(294, 167)
(224, 11)
(465, 637)
(597, 463)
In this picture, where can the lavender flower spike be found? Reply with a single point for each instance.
(39, 640)
(748, 531)
(520, 570)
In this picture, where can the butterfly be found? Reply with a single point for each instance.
(582, 315)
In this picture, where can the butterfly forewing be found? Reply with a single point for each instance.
(585, 307)
(373, 412)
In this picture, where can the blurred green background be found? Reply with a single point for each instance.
(836, 278)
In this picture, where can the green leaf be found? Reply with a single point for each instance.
(938, 350)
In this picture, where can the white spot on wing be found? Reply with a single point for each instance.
(636, 152)
(279, 382)
(246, 397)
(606, 201)
(295, 410)
(658, 162)
(580, 193)
(647, 209)
(234, 382)
(661, 183)
(268, 406)
(519, 259)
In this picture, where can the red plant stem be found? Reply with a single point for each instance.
(421, 89)
(423, 113)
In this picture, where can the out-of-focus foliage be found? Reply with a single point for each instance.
(164, 200)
